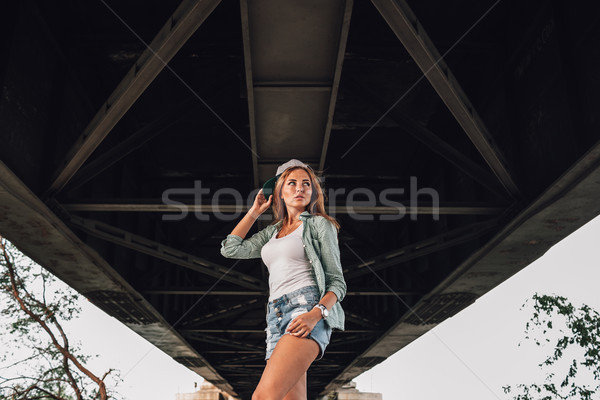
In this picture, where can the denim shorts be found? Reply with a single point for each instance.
(283, 310)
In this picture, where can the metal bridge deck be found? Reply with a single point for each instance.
(457, 142)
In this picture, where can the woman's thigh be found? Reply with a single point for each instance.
(298, 391)
(288, 363)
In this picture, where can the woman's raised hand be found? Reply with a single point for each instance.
(260, 204)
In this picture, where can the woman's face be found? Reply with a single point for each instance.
(296, 191)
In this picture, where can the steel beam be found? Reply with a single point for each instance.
(192, 292)
(242, 372)
(262, 331)
(181, 25)
(223, 330)
(354, 339)
(220, 314)
(359, 319)
(411, 33)
(249, 88)
(242, 358)
(233, 351)
(336, 80)
(300, 88)
(262, 350)
(383, 293)
(417, 210)
(209, 208)
(170, 254)
(326, 85)
(221, 341)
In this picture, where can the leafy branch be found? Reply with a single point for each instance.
(63, 367)
(581, 332)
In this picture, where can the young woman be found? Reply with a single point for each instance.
(306, 283)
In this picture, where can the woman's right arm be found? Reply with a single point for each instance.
(234, 246)
(242, 228)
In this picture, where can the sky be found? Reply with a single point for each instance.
(469, 356)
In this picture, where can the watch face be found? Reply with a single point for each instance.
(324, 310)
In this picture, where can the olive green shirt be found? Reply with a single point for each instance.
(322, 250)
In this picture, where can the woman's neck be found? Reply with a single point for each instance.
(293, 216)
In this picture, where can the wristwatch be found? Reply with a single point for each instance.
(324, 310)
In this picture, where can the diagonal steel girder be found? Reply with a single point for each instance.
(135, 242)
(186, 19)
(411, 33)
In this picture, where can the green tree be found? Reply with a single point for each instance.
(572, 330)
(49, 366)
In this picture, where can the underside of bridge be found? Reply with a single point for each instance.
(457, 141)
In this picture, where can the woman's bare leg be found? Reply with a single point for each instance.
(298, 392)
(288, 364)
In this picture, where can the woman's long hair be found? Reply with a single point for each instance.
(317, 199)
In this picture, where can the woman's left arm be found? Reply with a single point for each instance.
(330, 259)
(329, 300)
(335, 285)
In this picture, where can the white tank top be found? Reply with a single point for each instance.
(288, 266)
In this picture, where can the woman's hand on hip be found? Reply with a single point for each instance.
(303, 324)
